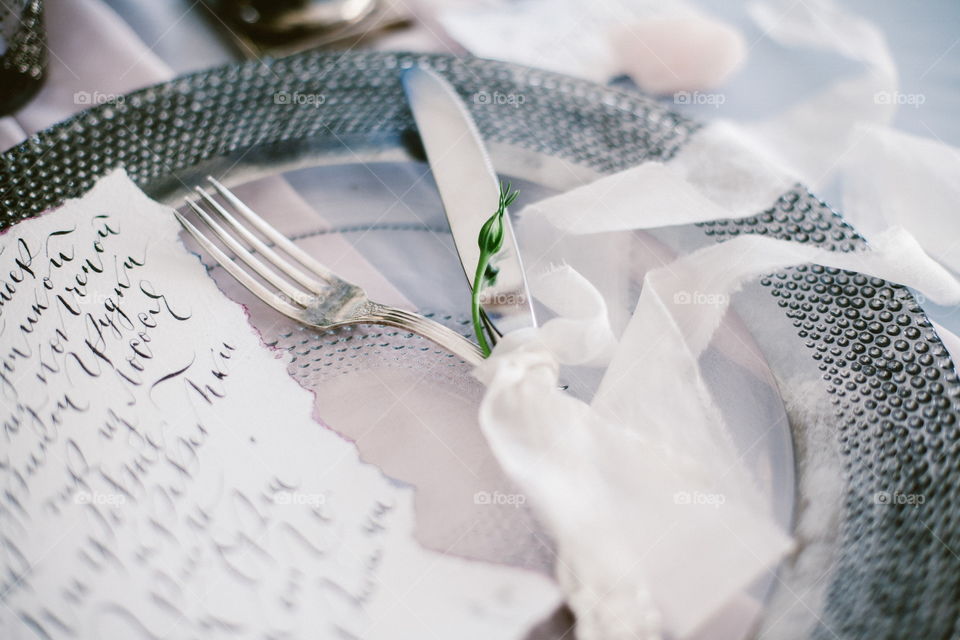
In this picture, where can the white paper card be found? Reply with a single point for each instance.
(163, 477)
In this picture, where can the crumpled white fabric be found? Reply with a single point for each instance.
(648, 195)
(617, 481)
(604, 476)
(812, 136)
(716, 175)
(894, 178)
(888, 178)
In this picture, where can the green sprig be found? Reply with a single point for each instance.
(490, 241)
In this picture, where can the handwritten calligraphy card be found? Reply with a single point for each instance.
(163, 477)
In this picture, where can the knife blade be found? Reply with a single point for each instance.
(470, 192)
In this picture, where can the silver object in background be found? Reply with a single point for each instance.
(470, 193)
(23, 52)
(302, 289)
(282, 27)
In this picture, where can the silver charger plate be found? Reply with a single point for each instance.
(887, 570)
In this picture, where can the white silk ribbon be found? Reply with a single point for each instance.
(657, 524)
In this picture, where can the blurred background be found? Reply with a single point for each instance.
(924, 39)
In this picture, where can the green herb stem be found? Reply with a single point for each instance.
(490, 242)
(478, 327)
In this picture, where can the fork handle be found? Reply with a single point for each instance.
(429, 329)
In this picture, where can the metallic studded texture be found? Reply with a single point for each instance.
(161, 130)
(897, 397)
(895, 390)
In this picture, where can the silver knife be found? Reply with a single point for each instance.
(470, 194)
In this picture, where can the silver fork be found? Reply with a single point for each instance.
(302, 288)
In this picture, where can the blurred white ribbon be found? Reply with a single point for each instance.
(893, 178)
(812, 137)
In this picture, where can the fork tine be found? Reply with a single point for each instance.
(275, 236)
(271, 256)
(243, 254)
(267, 296)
